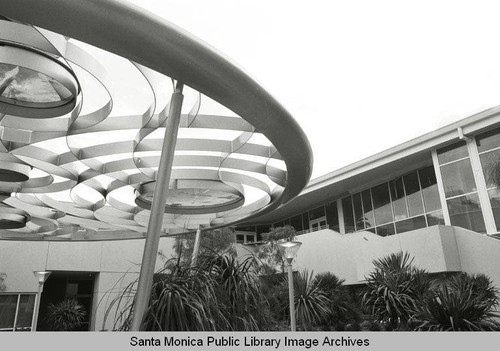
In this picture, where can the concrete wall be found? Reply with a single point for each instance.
(117, 263)
(350, 256)
(479, 254)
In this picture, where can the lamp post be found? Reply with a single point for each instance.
(42, 278)
(289, 250)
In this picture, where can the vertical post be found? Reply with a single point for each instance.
(34, 322)
(157, 209)
(291, 297)
(196, 247)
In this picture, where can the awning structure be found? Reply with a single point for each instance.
(84, 99)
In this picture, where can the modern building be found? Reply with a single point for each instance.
(436, 197)
(77, 194)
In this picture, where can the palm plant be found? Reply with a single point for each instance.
(341, 305)
(245, 306)
(219, 294)
(393, 289)
(464, 303)
(311, 303)
(65, 315)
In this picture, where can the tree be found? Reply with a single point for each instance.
(394, 289)
(212, 243)
(269, 253)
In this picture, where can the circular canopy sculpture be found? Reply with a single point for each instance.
(84, 100)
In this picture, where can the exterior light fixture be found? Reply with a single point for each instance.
(42, 277)
(288, 251)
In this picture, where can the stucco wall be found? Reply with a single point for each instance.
(117, 263)
(350, 256)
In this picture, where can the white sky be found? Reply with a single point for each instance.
(359, 76)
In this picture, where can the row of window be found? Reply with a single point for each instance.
(16, 311)
(402, 204)
(412, 201)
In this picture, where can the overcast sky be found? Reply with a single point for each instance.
(359, 76)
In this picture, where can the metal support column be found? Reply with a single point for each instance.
(196, 247)
(157, 209)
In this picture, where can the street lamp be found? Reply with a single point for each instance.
(289, 250)
(42, 277)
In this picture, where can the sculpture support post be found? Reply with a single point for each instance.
(157, 210)
(196, 248)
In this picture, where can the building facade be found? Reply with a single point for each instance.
(436, 197)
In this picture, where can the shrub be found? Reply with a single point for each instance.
(342, 308)
(65, 315)
(463, 303)
(394, 289)
(311, 303)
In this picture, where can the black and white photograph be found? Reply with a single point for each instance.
(275, 175)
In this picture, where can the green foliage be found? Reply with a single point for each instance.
(65, 315)
(393, 290)
(269, 253)
(342, 307)
(221, 293)
(464, 303)
(181, 301)
(3, 286)
(311, 303)
(238, 288)
(213, 242)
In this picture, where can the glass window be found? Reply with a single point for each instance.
(490, 163)
(435, 218)
(305, 220)
(25, 312)
(458, 178)
(494, 195)
(368, 208)
(398, 199)
(413, 194)
(261, 229)
(332, 216)
(348, 215)
(410, 224)
(385, 230)
(358, 212)
(278, 224)
(8, 306)
(18, 309)
(317, 213)
(382, 204)
(296, 222)
(429, 189)
(465, 212)
(452, 152)
(488, 140)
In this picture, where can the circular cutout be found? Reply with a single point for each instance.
(193, 197)
(34, 85)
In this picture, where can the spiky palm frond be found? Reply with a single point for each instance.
(463, 303)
